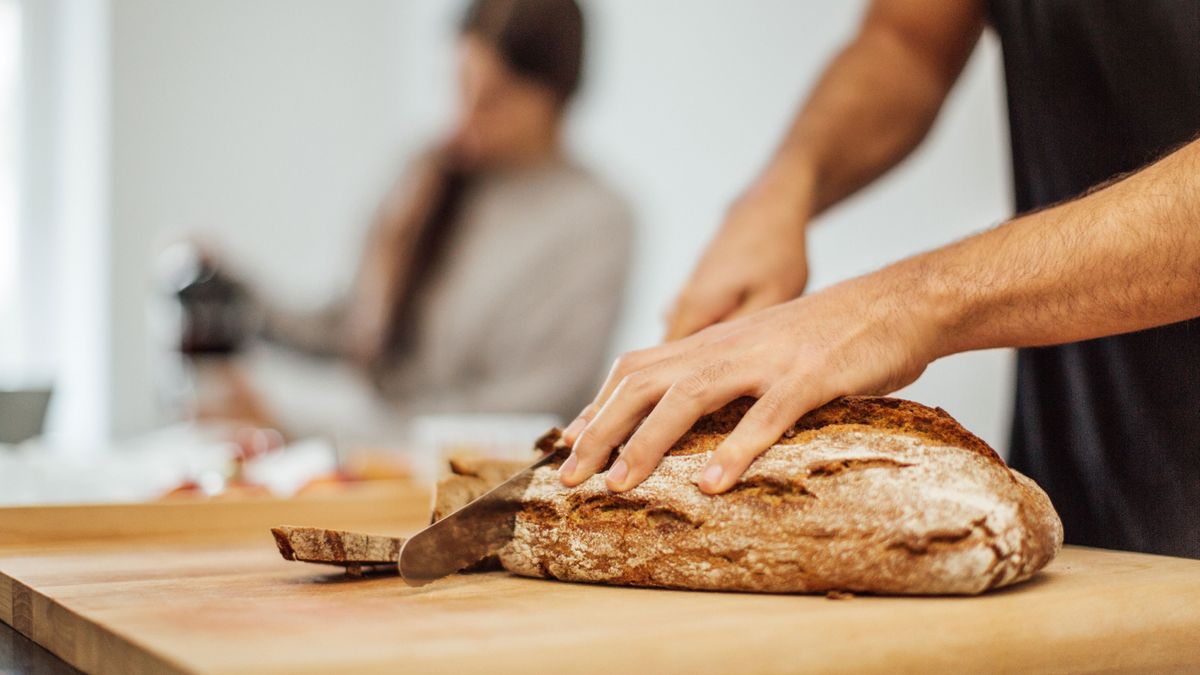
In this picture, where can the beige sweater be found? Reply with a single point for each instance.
(519, 316)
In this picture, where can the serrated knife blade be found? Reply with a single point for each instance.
(470, 534)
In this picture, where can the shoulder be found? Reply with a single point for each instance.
(580, 189)
(586, 185)
(572, 187)
(563, 205)
(590, 207)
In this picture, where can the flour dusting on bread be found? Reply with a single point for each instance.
(866, 494)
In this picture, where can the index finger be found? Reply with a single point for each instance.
(625, 364)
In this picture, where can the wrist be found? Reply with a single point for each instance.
(929, 308)
(789, 182)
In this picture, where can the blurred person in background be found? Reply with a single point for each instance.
(473, 262)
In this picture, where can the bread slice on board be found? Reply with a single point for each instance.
(468, 479)
(355, 551)
(866, 494)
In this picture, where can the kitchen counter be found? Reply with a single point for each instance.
(21, 656)
(211, 594)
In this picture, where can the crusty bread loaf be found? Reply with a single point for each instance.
(865, 494)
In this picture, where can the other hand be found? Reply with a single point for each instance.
(756, 260)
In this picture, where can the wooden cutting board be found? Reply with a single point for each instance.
(223, 601)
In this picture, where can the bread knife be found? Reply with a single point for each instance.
(469, 534)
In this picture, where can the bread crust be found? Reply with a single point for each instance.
(865, 495)
(467, 479)
(355, 551)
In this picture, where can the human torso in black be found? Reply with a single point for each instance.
(1109, 427)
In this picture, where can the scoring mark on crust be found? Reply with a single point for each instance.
(941, 539)
(598, 509)
(770, 491)
(838, 466)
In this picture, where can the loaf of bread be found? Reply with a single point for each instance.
(866, 494)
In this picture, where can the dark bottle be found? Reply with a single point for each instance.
(214, 312)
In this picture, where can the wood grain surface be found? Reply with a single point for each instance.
(232, 605)
(389, 504)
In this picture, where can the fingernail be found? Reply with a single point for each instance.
(617, 474)
(711, 478)
(574, 428)
(568, 467)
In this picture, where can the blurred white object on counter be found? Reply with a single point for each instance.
(149, 466)
(42, 471)
(289, 469)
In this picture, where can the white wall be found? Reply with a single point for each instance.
(274, 121)
(270, 124)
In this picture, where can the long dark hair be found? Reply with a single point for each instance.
(541, 40)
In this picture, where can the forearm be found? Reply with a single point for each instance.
(1120, 259)
(873, 105)
(875, 102)
(315, 332)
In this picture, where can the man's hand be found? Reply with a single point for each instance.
(756, 260)
(854, 338)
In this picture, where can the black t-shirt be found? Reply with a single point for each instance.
(1109, 427)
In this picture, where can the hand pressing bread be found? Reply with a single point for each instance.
(853, 338)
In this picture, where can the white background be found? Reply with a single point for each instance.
(274, 124)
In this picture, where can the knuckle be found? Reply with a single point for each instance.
(589, 443)
(640, 452)
(787, 392)
(697, 385)
(745, 454)
(631, 361)
(635, 457)
(692, 388)
(640, 448)
(622, 364)
(634, 383)
(717, 370)
(768, 411)
(641, 464)
(738, 453)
